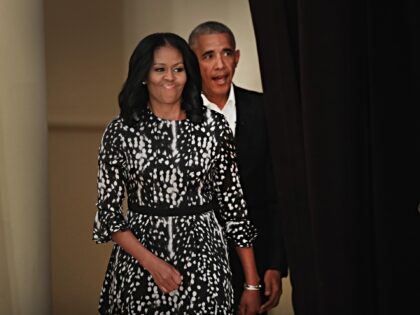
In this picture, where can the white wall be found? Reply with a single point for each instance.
(24, 246)
(181, 16)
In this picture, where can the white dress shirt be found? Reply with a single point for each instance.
(229, 110)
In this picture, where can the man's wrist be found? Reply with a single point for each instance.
(273, 270)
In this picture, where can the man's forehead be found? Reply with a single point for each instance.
(216, 41)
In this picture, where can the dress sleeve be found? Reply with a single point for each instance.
(111, 182)
(233, 211)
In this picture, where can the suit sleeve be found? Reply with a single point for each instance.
(277, 252)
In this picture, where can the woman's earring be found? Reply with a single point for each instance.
(143, 82)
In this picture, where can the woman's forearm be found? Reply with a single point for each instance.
(132, 245)
(247, 258)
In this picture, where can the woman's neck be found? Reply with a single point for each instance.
(168, 111)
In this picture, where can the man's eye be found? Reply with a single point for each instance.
(208, 56)
(228, 53)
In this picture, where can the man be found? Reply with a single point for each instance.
(215, 47)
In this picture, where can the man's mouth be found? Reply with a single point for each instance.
(220, 79)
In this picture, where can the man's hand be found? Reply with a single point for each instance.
(273, 289)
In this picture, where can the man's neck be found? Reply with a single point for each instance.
(220, 101)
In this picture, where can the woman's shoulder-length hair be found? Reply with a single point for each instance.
(134, 95)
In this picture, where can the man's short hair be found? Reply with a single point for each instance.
(211, 27)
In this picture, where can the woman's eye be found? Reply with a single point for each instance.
(160, 69)
(179, 69)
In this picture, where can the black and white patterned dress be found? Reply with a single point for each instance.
(170, 164)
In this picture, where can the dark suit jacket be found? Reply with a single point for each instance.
(256, 176)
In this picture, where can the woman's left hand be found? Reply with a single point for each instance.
(250, 303)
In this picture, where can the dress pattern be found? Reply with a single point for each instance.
(170, 164)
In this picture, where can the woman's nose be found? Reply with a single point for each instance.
(169, 75)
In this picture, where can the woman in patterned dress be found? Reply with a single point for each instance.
(176, 162)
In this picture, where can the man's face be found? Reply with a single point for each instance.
(218, 60)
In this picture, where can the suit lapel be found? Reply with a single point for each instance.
(242, 120)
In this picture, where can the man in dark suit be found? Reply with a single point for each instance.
(215, 47)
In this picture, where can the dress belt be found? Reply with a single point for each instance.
(169, 212)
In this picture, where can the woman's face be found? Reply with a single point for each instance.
(167, 77)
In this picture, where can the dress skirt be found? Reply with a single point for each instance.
(194, 245)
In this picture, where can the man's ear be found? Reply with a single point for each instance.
(237, 56)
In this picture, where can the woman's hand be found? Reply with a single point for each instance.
(166, 277)
(250, 302)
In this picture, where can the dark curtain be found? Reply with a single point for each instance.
(341, 84)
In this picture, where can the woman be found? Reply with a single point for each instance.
(176, 161)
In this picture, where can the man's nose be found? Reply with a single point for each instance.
(220, 63)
